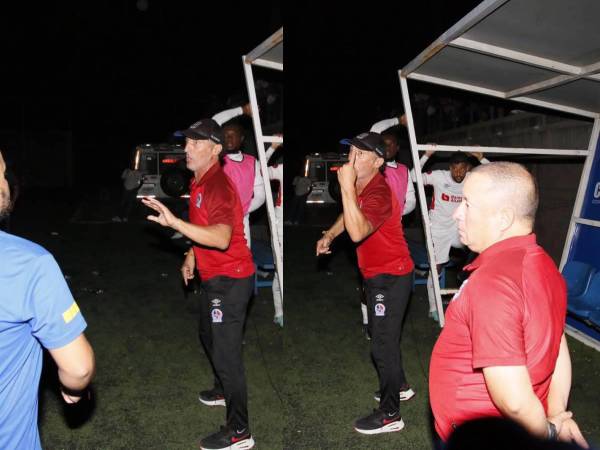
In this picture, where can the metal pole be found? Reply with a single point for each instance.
(583, 182)
(260, 147)
(421, 195)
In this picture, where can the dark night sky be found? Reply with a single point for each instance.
(343, 63)
(117, 76)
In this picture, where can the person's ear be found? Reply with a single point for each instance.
(217, 149)
(506, 218)
(378, 162)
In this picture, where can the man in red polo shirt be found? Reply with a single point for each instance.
(371, 217)
(503, 351)
(225, 265)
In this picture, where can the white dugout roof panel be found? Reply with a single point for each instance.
(544, 52)
(540, 52)
(269, 53)
(564, 31)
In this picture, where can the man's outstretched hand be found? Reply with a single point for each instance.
(165, 216)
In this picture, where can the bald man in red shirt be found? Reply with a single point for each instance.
(371, 218)
(503, 351)
(224, 262)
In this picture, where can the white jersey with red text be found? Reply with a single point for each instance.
(447, 195)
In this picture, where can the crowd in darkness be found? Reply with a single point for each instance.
(439, 113)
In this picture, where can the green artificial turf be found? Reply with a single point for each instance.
(333, 380)
(150, 365)
(307, 383)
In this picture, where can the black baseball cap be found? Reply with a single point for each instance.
(205, 129)
(370, 141)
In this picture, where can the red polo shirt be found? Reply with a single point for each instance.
(214, 200)
(385, 250)
(509, 312)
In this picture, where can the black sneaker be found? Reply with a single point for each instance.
(227, 438)
(406, 393)
(213, 397)
(379, 422)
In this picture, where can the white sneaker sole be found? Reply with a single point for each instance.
(242, 445)
(212, 402)
(404, 396)
(389, 428)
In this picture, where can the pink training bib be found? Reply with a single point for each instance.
(397, 180)
(242, 175)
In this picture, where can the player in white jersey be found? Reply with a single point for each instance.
(447, 196)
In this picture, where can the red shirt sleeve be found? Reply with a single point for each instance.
(377, 205)
(496, 323)
(220, 206)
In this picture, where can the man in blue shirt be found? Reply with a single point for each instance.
(36, 310)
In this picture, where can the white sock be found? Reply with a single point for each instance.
(277, 294)
(363, 308)
(277, 300)
(430, 296)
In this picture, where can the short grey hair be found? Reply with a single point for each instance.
(518, 185)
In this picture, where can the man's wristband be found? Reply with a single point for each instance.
(75, 392)
(552, 434)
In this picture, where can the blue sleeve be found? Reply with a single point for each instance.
(55, 319)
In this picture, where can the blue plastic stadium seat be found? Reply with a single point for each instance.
(578, 276)
(594, 317)
(589, 301)
(263, 260)
(418, 253)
